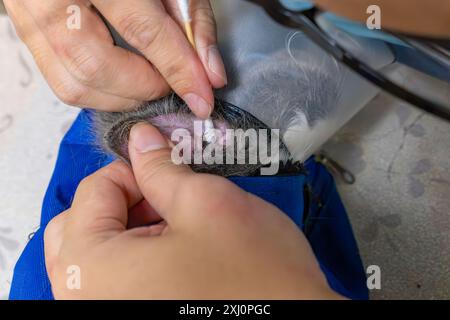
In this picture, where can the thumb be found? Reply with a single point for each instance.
(158, 178)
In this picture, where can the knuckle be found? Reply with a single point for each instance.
(207, 24)
(92, 187)
(139, 30)
(86, 183)
(120, 167)
(88, 191)
(93, 183)
(178, 73)
(46, 21)
(70, 93)
(52, 233)
(117, 171)
(157, 90)
(205, 15)
(180, 79)
(53, 226)
(84, 65)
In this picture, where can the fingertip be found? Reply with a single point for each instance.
(146, 138)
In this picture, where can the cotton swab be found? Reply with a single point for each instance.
(186, 16)
(184, 5)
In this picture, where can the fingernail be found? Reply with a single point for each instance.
(198, 105)
(215, 63)
(145, 138)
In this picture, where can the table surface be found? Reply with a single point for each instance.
(399, 206)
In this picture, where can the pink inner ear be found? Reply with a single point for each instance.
(168, 123)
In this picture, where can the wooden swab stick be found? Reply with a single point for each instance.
(186, 16)
(190, 33)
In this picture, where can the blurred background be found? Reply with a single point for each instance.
(399, 206)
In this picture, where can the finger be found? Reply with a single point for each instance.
(16, 10)
(102, 200)
(146, 26)
(205, 33)
(53, 238)
(159, 179)
(69, 90)
(65, 87)
(89, 54)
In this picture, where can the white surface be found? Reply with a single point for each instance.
(32, 123)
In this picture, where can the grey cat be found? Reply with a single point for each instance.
(278, 79)
(320, 91)
(113, 128)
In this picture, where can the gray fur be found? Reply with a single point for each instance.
(277, 93)
(113, 128)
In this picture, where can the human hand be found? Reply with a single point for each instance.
(216, 241)
(84, 68)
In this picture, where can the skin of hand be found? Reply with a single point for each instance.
(84, 68)
(160, 231)
(416, 17)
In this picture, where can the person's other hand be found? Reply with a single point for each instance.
(84, 68)
(162, 231)
(417, 17)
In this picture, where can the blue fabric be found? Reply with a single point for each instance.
(330, 234)
(278, 191)
(325, 221)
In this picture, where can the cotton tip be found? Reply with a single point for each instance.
(209, 134)
(184, 9)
